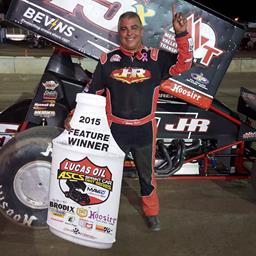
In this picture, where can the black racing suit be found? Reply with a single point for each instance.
(131, 84)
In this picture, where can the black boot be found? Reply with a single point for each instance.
(153, 223)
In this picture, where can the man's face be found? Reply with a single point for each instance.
(130, 34)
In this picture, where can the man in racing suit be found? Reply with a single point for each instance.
(130, 78)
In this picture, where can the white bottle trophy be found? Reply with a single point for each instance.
(86, 175)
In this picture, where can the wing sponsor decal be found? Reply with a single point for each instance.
(189, 125)
(188, 94)
(182, 124)
(205, 40)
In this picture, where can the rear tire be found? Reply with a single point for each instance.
(24, 176)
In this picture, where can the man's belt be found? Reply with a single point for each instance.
(131, 122)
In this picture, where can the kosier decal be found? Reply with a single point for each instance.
(204, 40)
(131, 75)
(84, 182)
(186, 93)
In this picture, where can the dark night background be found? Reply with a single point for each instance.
(244, 10)
(232, 9)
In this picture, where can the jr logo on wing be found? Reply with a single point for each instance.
(189, 125)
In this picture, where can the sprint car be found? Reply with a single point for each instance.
(198, 136)
(191, 141)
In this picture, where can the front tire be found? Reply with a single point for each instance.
(24, 176)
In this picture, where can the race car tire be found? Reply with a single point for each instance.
(24, 176)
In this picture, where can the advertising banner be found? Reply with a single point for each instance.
(86, 176)
(89, 27)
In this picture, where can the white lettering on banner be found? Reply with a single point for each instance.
(168, 42)
(77, 168)
(53, 24)
(189, 125)
(101, 13)
(178, 89)
(85, 169)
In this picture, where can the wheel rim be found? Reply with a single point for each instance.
(31, 184)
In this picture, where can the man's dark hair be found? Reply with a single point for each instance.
(129, 15)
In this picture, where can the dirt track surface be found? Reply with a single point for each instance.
(210, 218)
(198, 217)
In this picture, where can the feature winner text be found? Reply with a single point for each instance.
(89, 139)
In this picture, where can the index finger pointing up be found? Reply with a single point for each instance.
(173, 9)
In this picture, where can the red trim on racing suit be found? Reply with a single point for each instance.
(131, 84)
